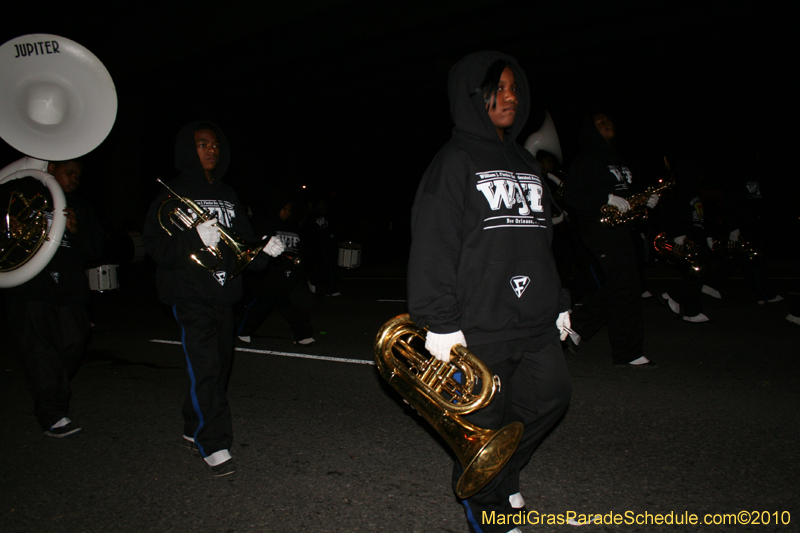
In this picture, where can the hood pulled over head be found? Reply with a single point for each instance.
(467, 107)
(186, 159)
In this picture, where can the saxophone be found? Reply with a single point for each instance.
(682, 256)
(611, 217)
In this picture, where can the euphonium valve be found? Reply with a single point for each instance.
(442, 392)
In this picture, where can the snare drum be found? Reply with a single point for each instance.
(349, 255)
(103, 278)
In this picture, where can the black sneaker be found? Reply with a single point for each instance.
(64, 431)
(223, 469)
(189, 444)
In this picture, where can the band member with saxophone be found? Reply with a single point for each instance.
(599, 176)
(481, 271)
(202, 299)
(48, 314)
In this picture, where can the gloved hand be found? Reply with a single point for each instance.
(563, 323)
(679, 240)
(439, 344)
(619, 202)
(274, 247)
(653, 201)
(209, 232)
(710, 243)
(734, 236)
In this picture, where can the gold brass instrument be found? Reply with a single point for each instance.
(25, 230)
(731, 249)
(611, 217)
(684, 256)
(431, 387)
(57, 102)
(243, 252)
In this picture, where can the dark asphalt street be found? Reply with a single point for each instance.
(326, 446)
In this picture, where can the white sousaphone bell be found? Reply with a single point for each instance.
(545, 138)
(57, 102)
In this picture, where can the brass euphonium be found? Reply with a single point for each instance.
(684, 256)
(244, 252)
(431, 387)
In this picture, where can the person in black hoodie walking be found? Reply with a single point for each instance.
(283, 285)
(600, 176)
(48, 314)
(481, 272)
(202, 300)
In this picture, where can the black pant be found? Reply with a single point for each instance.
(535, 390)
(207, 336)
(50, 340)
(618, 303)
(291, 302)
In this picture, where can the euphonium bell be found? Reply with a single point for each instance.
(244, 252)
(430, 386)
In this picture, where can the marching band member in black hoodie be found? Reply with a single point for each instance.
(599, 176)
(481, 271)
(202, 300)
(48, 314)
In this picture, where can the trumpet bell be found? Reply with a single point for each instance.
(59, 101)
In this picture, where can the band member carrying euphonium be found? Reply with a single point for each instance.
(196, 276)
(481, 273)
(57, 104)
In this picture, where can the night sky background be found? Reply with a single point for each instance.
(348, 97)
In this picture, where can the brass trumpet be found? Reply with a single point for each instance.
(430, 386)
(244, 252)
(682, 256)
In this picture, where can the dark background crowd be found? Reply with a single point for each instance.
(347, 101)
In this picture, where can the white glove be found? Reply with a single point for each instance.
(653, 201)
(619, 202)
(274, 247)
(563, 324)
(209, 232)
(680, 240)
(734, 236)
(710, 242)
(439, 344)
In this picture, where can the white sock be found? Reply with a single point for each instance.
(217, 458)
(516, 501)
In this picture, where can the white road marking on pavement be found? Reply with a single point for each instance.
(287, 354)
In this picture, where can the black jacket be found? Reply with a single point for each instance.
(179, 278)
(480, 257)
(597, 171)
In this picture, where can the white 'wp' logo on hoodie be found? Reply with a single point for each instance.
(519, 284)
(220, 276)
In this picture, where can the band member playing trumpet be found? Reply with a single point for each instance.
(48, 314)
(202, 297)
(481, 271)
(598, 177)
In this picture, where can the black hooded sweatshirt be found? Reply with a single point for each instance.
(597, 171)
(179, 278)
(480, 255)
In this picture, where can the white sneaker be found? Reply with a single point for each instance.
(647, 294)
(516, 501)
(311, 287)
(245, 338)
(307, 341)
(714, 293)
(791, 318)
(777, 298)
(700, 317)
